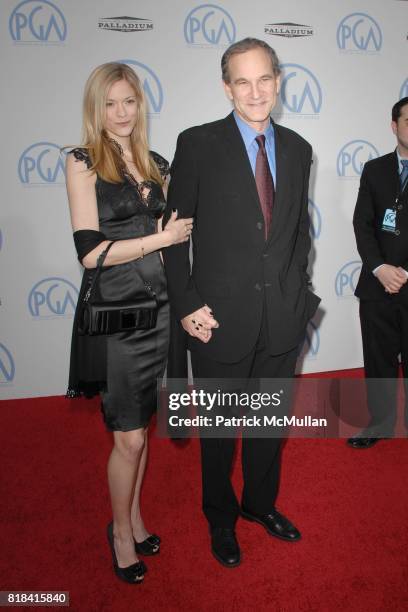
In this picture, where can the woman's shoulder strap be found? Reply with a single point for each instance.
(82, 154)
(161, 163)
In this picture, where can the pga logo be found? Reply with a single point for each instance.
(42, 163)
(389, 218)
(52, 297)
(347, 278)
(37, 21)
(300, 90)
(151, 85)
(352, 157)
(359, 32)
(209, 25)
(7, 366)
(315, 220)
(404, 89)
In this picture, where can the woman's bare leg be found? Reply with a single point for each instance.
(139, 530)
(123, 468)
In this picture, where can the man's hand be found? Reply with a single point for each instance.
(391, 278)
(200, 323)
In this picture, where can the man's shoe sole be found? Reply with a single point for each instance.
(365, 447)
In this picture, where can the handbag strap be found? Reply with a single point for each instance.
(99, 264)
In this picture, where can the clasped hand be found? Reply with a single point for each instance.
(200, 323)
(392, 277)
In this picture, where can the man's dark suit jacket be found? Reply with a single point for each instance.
(234, 270)
(379, 188)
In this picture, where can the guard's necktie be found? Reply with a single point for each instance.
(264, 183)
(404, 173)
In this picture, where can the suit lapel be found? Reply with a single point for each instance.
(231, 139)
(388, 178)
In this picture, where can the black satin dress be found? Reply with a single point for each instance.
(124, 367)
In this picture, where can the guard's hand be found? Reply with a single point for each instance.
(391, 278)
(200, 323)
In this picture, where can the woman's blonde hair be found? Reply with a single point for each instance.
(105, 156)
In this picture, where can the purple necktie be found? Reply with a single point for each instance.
(264, 183)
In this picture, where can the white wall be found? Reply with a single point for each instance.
(340, 83)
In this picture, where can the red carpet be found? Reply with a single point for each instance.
(351, 506)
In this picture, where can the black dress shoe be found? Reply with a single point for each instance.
(275, 524)
(224, 546)
(360, 442)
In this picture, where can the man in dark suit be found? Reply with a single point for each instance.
(381, 228)
(246, 301)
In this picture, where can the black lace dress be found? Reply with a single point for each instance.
(125, 366)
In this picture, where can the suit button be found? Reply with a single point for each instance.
(397, 232)
(265, 255)
(259, 225)
(258, 287)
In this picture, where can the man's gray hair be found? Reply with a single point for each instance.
(247, 44)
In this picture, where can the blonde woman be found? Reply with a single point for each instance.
(115, 191)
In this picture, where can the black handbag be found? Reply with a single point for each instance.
(105, 318)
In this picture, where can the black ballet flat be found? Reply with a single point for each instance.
(150, 546)
(133, 574)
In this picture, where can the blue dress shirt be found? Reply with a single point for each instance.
(249, 134)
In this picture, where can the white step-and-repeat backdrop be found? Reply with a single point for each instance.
(344, 65)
